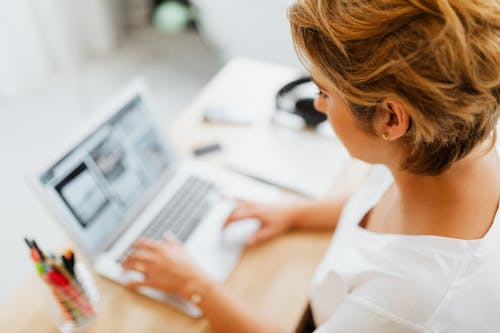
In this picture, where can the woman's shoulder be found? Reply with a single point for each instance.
(394, 287)
(430, 291)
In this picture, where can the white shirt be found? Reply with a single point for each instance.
(372, 282)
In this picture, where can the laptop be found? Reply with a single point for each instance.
(120, 180)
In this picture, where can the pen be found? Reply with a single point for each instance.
(28, 242)
(35, 255)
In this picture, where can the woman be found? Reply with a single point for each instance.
(412, 85)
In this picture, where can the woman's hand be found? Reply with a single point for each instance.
(275, 220)
(166, 266)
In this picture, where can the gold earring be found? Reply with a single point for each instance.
(385, 136)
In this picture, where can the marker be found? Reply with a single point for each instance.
(57, 278)
(40, 253)
(68, 260)
(35, 256)
(60, 278)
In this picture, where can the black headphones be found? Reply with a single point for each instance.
(302, 106)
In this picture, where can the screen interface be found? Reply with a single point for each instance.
(99, 181)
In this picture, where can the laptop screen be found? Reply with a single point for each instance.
(102, 178)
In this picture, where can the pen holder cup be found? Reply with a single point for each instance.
(74, 305)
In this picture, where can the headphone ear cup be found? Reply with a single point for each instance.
(305, 108)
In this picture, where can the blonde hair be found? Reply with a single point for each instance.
(439, 57)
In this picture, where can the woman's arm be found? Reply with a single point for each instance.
(277, 219)
(319, 215)
(167, 266)
(223, 309)
(227, 313)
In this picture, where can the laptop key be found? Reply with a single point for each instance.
(181, 215)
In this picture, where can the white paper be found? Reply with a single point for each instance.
(300, 161)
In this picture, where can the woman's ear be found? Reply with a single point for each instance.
(395, 119)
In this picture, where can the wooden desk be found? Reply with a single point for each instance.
(273, 278)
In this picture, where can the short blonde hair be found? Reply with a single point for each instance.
(439, 57)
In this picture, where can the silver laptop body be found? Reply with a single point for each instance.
(119, 180)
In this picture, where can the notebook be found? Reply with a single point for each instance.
(120, 179)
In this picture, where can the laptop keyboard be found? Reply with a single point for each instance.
(181, 215)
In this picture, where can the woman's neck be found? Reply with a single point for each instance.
(446, 204)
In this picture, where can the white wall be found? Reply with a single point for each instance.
(40, 38)
(256, 29)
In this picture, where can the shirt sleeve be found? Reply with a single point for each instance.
(355, 315)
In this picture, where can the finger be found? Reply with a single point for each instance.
(140, 256)
(241, 202)
(134, 258)
(130, 266)
(137, 284)
(148, 245)
(241, 212)
(260, 236)
(169, 238)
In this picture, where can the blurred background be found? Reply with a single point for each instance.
(60, 60)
